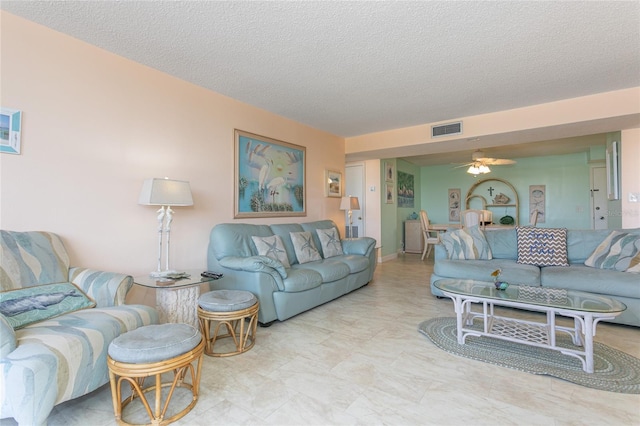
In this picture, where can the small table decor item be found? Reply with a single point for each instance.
(500, 285)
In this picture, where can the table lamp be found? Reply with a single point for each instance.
(165, 193)
(350, 203)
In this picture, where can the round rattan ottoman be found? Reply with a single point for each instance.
(151, 351)
(234, 312)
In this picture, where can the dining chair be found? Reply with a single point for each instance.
(429, 239)
(472, 218)
(533, 219)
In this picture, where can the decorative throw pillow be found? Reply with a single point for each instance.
(32, 304)
(305, 248)
(272, 247)
(466, 243)
(619, 251)
(330, 241)
(542, 246)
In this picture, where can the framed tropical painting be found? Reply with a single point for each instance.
(269, 177)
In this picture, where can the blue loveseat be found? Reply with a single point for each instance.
(52, 352)
(623, 286)
(287, 291)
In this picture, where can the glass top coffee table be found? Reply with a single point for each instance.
(176, 300)
(586, 309)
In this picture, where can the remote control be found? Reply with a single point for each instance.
(209, 274)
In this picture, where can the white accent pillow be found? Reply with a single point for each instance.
(306, 250)
(330, 241)
(272, 247)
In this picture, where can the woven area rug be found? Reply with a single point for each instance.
(614, 371)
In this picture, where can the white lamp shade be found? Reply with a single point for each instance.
(165, 192)
(349, 203)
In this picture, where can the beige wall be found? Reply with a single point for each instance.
(599, 113)
(630, 177)
(95, 125)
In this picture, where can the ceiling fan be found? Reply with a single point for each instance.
(480, 163)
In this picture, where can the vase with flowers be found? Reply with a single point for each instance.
(500, 285)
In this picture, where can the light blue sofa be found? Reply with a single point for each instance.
(285, 292)
(623, 286)
(57, 359)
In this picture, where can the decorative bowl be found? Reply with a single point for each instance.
(501, 285)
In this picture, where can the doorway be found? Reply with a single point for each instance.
(354, 186)
(599, 202)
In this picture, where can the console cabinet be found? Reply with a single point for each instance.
(413, 236)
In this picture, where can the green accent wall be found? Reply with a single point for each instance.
(566, 178)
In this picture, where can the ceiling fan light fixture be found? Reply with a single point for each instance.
(473, 170)
(484, 169)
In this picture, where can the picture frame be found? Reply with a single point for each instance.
(405, 190)
(270, 177)
(10, 130)
(613, 176)
(389, 193)
(537, 201)
(333, 183)
(389, 172)
(454, 204)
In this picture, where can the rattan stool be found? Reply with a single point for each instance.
(229, 309)
(151, 351)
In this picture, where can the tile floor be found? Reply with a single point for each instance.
(360, 360)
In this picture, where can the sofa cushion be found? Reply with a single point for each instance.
(33, 304)
(480, 270)
(234, 239)
(272, 247)
(301, 279)
(542, 246)
(503, 243)
(330, 242)
(619, 251)
(466, 243)
(330, 269)
(592, 280)
(32, 258)
(355, 262)
(304, 247)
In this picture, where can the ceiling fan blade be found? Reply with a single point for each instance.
(500, 162)
(458, 165)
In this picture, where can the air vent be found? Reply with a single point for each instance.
(446, 129)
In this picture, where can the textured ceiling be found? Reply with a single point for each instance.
(352, 68)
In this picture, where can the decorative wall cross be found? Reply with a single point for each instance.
(491, 189)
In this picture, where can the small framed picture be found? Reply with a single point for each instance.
(10, 128)
(389, 193)
(333, 183)
(389, 173)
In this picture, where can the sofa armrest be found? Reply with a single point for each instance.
(440, 252)
(8, 339)
(106, 288)
(255, 264)
(362, 245)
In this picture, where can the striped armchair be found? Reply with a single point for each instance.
(50, 356)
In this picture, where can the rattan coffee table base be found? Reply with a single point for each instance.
(239, 326)
(135, 375)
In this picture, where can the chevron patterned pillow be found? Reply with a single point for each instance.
(542, 246)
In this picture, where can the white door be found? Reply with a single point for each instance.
(599, 214)
(354, 186)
